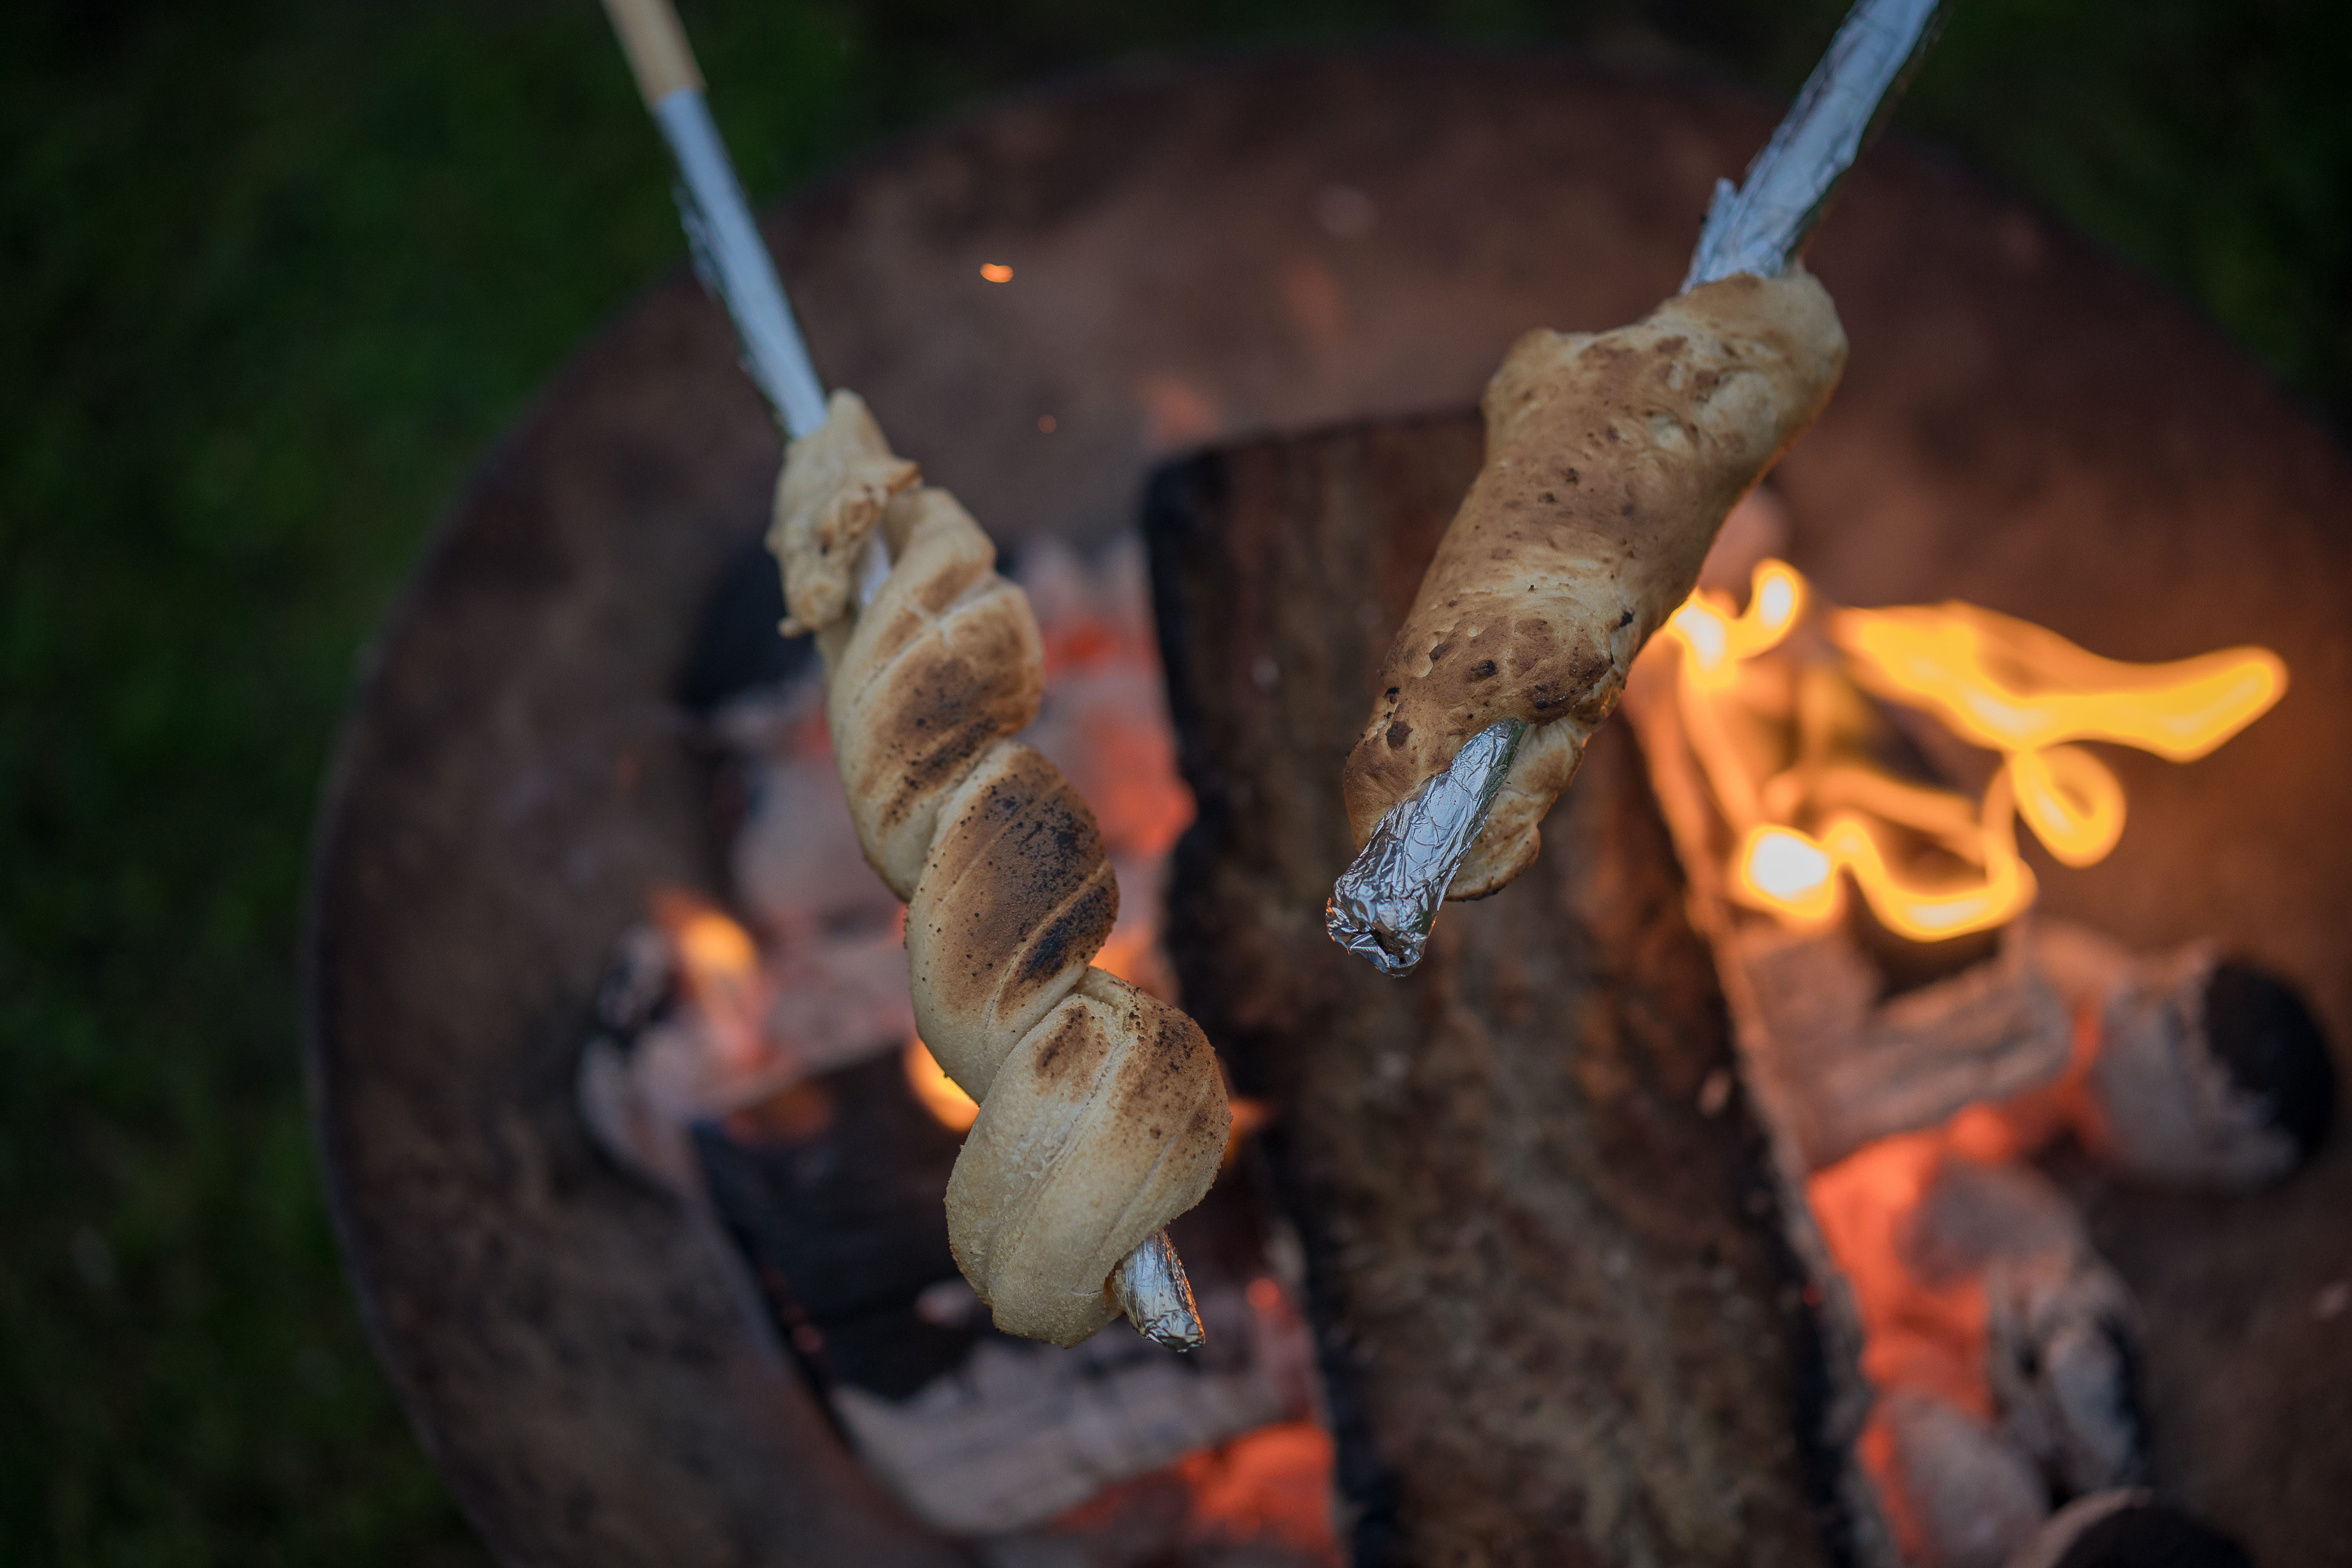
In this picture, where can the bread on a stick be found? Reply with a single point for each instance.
(1611, 459)
(1102, 1115)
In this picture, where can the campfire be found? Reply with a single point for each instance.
(1516, 1187)
(1845, 790)
(1806, 753)
(1777, 710)
(1842, 783)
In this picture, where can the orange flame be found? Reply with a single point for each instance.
(2014, 687)
(1716, 640)
(1827, 814)
(948, 1103)
(720, 965)
(1133, 954)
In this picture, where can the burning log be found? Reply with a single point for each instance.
(1910, 1070)
(1557, 1315)
(1847, 1065)
(2210, 1072)
(1856, 1043)
(2186, 1068)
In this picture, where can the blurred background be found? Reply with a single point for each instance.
(274, 276)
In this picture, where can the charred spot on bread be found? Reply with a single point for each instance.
(1021, 875)
(1072, 1052)
(1070, 938)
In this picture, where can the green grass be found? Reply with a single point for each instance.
(273, 275)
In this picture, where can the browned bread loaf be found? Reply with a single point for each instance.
(1102, 1114)
(1611, 459)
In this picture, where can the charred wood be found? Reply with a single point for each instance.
(1557, 1315)
(2129, 1529)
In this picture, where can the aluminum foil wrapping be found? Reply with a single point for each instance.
(1151, 1290)
(1382, 906)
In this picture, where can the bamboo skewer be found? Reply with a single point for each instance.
(733, 263)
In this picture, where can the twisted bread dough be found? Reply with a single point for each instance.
(1611, 460)
(1102, 1115)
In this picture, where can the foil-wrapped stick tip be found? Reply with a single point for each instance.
(1150, 1288)
(1384, 904)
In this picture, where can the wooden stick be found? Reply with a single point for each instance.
(659, 55)
(1148, 1283)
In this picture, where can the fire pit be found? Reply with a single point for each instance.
(1196, 255)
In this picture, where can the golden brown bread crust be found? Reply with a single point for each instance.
(1018, 895)
(1611, 462)
(945, 660)
(1102, 1114)
(1106, 1122)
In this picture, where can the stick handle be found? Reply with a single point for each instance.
(659, 55)
(728, 254)
(1760, 225)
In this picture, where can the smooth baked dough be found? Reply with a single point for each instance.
(1102, 1114)
(1611, 459)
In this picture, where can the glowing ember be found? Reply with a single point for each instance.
(1776, 713)
(1922, 1333)
(1268, 1487)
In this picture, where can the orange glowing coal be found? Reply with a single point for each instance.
(1778, 714)
(1919, 1333)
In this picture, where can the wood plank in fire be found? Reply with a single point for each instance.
(1557, 1316)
